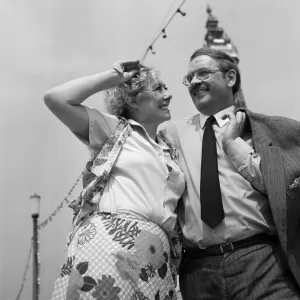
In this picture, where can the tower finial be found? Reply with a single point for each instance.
(208, 9)
(217, 39)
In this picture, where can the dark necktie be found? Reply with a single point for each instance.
(212, 212)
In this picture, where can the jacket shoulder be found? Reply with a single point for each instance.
(283, 129)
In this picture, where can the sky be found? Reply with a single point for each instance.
(45, 43)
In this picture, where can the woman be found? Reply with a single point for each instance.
(125, 216)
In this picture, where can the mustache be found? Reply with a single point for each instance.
(198, 86)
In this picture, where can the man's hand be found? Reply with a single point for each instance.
(126, 69)
(234, 129)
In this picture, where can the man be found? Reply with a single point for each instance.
(241, 213)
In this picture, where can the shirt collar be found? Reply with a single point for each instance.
(159, 140)
(218, 117)
(135, 123)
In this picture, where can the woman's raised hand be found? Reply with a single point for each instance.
(127, 68)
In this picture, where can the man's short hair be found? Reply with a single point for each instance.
(225, 63)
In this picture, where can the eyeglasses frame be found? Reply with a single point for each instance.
(210, 72)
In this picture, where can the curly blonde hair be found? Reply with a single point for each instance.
(117, 98)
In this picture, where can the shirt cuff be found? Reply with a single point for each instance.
(238, 151)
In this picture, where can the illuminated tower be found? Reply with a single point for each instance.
(217, 39)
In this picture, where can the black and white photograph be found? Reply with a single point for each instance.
(150, 150)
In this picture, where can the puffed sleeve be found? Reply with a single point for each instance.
(101, 126)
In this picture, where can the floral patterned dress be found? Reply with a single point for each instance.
(116, 256)
(112, 256)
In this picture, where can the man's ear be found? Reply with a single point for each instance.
(231, 78)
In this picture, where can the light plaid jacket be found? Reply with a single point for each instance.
(277, 141)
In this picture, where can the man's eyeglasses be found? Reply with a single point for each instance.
(200, 75)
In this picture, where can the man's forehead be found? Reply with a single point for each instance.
(202, 61)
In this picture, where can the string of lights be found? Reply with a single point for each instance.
(40, 226)
(166, 16)
(162, 32)
(25, 272)
(59, 207)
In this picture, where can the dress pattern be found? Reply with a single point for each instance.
(116, 256)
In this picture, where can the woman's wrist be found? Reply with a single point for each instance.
(110, 78)
(118, 67)
(117, 76)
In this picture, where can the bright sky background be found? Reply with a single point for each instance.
(45, 43)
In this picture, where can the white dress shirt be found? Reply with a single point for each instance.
(246, 207)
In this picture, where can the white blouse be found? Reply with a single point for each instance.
(144, 179)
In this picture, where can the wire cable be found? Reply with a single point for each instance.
(165, 18)
(162, 31)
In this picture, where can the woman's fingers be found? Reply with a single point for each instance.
(130, 65)
(132, 73)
